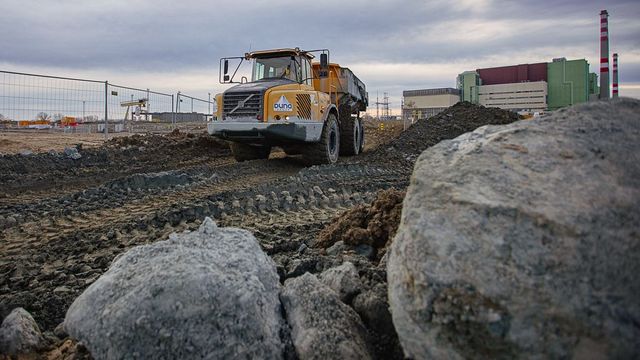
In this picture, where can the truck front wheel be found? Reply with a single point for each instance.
(244, 152)
(325, 151)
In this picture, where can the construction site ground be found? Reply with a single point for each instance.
(35, 141)
(64, 220)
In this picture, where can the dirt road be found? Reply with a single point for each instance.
(65, 220)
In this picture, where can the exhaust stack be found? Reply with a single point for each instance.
(615, 75)
(604, 54)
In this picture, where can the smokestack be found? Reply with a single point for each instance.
(615, 75)
(604, 54)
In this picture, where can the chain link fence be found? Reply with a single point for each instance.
(193, 113)
(53, 103)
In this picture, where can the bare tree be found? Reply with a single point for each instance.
(43, 116)
(2, 118)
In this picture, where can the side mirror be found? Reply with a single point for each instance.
(324, 66)
(226, 78)
(324, 61)
(226, 68)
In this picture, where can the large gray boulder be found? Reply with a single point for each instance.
(322, 326)
(524, 240)
(19, 334)
(206, 294)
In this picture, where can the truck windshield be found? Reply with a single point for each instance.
(274, 68)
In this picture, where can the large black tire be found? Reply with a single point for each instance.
(244, 152)
(350, 135)
(327, 150)
(361, 124)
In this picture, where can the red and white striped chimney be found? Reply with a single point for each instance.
(615, 75)
(604, 54)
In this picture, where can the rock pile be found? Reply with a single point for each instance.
(322, 327)
(215, 293)
(523, 240)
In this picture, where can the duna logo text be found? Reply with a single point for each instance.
(282, 105)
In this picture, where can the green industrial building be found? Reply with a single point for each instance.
(468, 83)
(567, 82)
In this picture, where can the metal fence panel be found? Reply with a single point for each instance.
(26, 97)
(142, 117)
(83, 105)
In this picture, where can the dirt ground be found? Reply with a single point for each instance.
(64, 220)
(37, 141)
(12, 142)
(380, 132)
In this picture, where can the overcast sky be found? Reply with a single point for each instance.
(391, 45)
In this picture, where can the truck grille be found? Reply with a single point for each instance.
(242, 104)
(304, 106)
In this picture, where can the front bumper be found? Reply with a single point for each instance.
(299, 131)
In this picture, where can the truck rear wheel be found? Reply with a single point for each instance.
(350, 135)
(244, 152)
(361, 124)
(327, 150)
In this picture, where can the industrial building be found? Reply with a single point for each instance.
(424, 103)
(525, 87)
(530, 87)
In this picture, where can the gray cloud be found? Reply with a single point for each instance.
(164, 36)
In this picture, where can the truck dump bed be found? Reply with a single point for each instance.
(348, 88)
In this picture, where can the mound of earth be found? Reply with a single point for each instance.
(450, 123)
(374, 224)
(117, 157)
(175, 139)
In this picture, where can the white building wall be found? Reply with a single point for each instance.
(431, 101)
(425, 106)
(517, 96)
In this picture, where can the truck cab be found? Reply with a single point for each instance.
(280, 106)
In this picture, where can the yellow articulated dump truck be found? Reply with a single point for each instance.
(306, 108)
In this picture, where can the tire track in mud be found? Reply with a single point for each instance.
(53, 255)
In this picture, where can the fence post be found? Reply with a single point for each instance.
(173, 113)
(106, 109)
(146, 116)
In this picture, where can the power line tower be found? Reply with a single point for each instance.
(386, 115)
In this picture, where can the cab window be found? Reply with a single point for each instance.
(274, 68)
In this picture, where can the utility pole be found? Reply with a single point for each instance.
(404, 122)
(377, 109)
